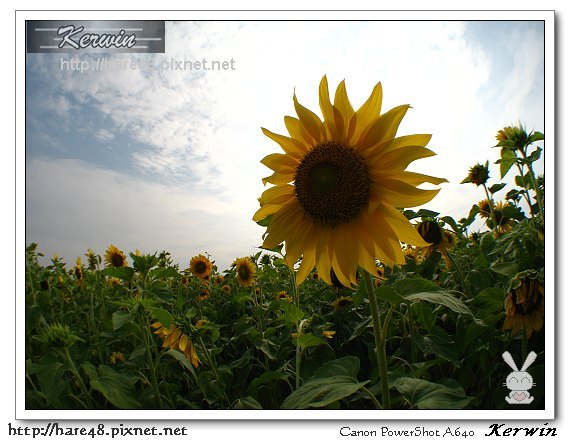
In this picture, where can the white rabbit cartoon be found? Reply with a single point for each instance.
(519, 382)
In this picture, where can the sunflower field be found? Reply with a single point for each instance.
(357, 298)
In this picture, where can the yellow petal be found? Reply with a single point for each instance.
(346, 251)
(265, 211)
(416, 179)
(297, 131)
(309, 259)
(398, 160)
(277, 195)
(368, 111)
(403, 195)
(283, 224)
(278, 178)
(401, 226)
(325, 101)
(291, 146)
(280, 162)
(382, 129)
(310, 121)
(296, 244)
(324, 254)
(342, 103)
(182, 344)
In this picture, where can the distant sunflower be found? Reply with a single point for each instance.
(200, 266)
(478, 174)
(524, 304)
(245, 272)
(203, 295)
(201, 323)
(504, 221)
(338, 185)
(226, 288)
(115, 257)
(283, 295)
(343, 303)
(484, 208)
(78, 270)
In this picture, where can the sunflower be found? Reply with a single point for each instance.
(201, 266)
(245, 272)
(438, 237)
(343, 303)
(283, 295)
(226, 288)
(175, 339)
(338, 185)
(524, 304)
(117, 356)
(503, 220)
(78, 270)
(478, 174)
(484, 208)
(329, 333)
(201, 323)
(115, 257)
(203, 295)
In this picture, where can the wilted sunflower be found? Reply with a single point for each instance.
(115, 257)
(175, 339)
(524, 304)
(245, 272)
(338, 185)
(78, 270)
(438, 237)
(343, 303)
(503, 220)
(478, 174)
(200, 266)
(484, 208)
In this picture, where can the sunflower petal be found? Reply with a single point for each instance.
(283, 224)
(310, 121)
(398, 160)
(279, 194)
(402, 226)
(325, 101)
(324, 254)
(291, 146)
(278, 178)
(308, 263)
(403, 195)
(416, 179)
(384, 128)
(342, 103)
(368, 111)
(297, 131)
(280, 162)
(265, 211)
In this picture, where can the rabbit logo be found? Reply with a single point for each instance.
(519, 381)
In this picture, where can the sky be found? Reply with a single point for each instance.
(160, 159)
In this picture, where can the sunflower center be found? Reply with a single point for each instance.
(200, 267)
(117, 260)
(243, 272)
(332, 184)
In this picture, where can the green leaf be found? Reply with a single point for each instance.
(137, 352)
(161, 315)
(506, 269)
(119, 319)
(496, 187)
(439, 343)
(164, 272)
(247, 402)
(413, 285)
(359, 295)
(307, 340)
(322, 392)
(346, 366)
(442, 298)
(182, 360)
(117, 388)
(277, 249)
(266, 377)
(122, 273)
(535, 136)
(265, 222)
(389, 294)
(422, 394)
(508, 159)
(292, 313)
(451, 222)
(212, 388)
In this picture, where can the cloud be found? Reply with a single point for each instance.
(72, 206)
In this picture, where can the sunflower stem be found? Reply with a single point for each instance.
(379, 338)
(535, 187)
(493, 216)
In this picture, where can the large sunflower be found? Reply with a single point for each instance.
(338, 185)
(114, 257)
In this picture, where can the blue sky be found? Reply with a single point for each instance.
(170, 160)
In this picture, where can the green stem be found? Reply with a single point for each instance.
(493, 217)
(379, 338)
(214, 369)
(525, 193)
(536, 190)
(152, 366)
(373, 398)
(413, 348)
(73, 368)
(464, 285)
(298, 353)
